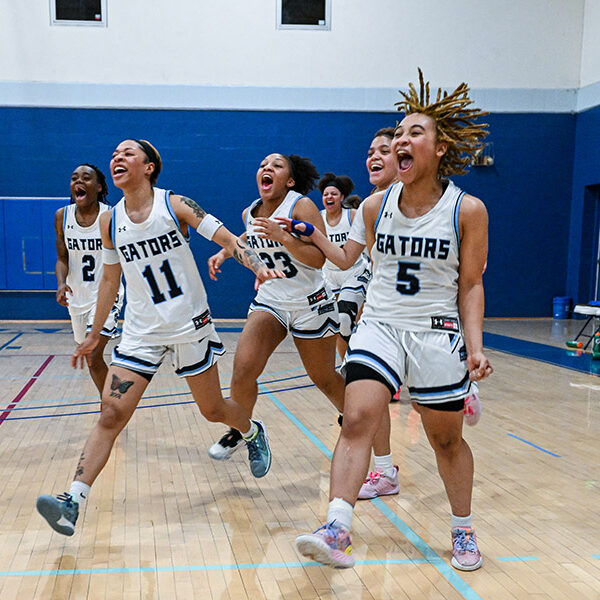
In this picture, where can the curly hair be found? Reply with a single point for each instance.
(455, 123)
(352, 201)
(304, 173)
(341, 182)
(103, 193)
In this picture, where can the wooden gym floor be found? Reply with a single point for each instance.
(165, 521)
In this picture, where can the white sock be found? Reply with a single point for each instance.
(80, 491)
(385, 465)
(462, 521)
(341, 512)
(250, 433)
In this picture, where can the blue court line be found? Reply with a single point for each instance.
(595, 555)
(552, 355)
(97, 400)
(430, 555)
(189, 568)
(93, 412)
(531, 444)
(10, 341)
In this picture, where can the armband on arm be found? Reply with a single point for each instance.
(302, 227)
(110, 256)
(208, 226)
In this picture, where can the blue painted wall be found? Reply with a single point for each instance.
(583, 231)
(212, 156)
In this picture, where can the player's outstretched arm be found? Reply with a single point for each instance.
(301, 249)
(107, 293)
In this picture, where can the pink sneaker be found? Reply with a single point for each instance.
(377, 484)
(465, 553)
(472, 409)
(329, 545)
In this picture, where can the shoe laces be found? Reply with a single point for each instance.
(331, 532)
(66, 498)
(463, 541)
(373, 477)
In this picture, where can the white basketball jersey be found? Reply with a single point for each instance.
(166, 300)
(84, 246)
(337, 234)
(415, 265)
(303, 286)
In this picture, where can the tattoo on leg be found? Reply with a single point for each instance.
(79, 470)
(119, 384)
(198, 210)
(247, 257)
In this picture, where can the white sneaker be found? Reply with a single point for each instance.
(226, 446)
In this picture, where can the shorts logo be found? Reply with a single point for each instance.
(445, 323)
(202, 320)
(317, 296)
(462, 353)
(326, 308)
(365, 277)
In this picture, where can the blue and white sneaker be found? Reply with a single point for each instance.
(259, 453)
(60, 512)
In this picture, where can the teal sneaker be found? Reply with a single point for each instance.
(259, 453)
(60, 512)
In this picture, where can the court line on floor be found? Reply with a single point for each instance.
(532, 444)
(93, 412)
(25, 388)
(459, 584)
(11, 341)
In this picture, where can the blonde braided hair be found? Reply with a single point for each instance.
(454, 123)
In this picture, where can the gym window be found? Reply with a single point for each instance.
(90, 13)
(304, 14)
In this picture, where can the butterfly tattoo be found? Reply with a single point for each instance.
(118, 384)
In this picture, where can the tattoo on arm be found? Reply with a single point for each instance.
(246, 256)
(198, 210)
(79, 470)
(119, 384)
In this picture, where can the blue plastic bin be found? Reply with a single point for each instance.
(561, 307)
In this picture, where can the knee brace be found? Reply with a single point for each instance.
(348, 311)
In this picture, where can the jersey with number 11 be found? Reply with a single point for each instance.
(166, 300)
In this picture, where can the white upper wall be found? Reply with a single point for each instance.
(590, 53)
(373, 48)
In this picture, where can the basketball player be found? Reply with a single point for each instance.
(428, 243)
(145, 237)
(350, 286)
(301, 304)
(79, 262)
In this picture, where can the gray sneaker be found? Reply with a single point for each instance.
(259, 453)
(60, 512)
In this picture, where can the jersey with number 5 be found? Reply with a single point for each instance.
(303, 286)
(166, 300)
(415, 263)
(84, 247)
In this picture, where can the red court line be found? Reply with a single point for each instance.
(25, 389)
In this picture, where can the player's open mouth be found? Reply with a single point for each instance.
(376, 168)
(80, 193)
(119, 170)
(405, 161)
(266, 182)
